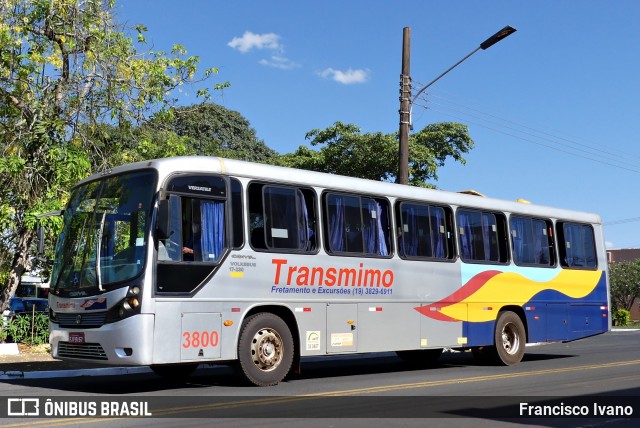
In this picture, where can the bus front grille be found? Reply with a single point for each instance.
(85, 320)
(86, 351)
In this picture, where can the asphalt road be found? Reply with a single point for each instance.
(588, 377)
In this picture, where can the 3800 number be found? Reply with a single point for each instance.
(200, 339)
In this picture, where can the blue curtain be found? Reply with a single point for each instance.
(518, 226)
(541, 248)
(304, 231)
(569, 245)
(438, 237)
(374, 238)
(409, 240)
(466, 247)
(336, 223)
(370, 228)
(589, 247)
(486, 236)
(212, 238)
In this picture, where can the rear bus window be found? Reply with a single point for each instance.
(577, 245)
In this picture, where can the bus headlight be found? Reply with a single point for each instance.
(131, 303)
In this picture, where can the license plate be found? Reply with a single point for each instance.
(76, 337)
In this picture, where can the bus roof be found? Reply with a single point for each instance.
(258, 171)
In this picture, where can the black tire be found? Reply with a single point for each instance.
(265, 349)
(174, 372)
(420, 357)
(509, 338)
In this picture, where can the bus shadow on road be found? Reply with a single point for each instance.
(224, 376)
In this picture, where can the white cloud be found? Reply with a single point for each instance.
(281, 62)
(250, 41)
(348, 77)
(609, 245)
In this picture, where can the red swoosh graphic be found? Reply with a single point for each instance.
(473, 285)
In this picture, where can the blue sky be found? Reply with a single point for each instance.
(553, 108)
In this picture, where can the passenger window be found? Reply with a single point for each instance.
(577, 245)
(357, 225)
(282, 218)
(424, 231)
(532, 241)
(482, 236)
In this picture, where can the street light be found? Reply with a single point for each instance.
(406, 103)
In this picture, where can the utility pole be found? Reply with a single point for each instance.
(406, 100)
(405, 105)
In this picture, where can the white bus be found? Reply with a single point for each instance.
(176, 262)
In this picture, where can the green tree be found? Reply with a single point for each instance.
(624, 282)
(215, 131)
(346, 151)
(67, 69)
(118, 145)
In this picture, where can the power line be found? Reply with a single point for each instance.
(546, 139)
(575, 151)
(545, 133)
(623, 221)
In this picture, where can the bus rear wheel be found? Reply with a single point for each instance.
(510, 339)
(265, 349)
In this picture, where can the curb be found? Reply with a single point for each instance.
(107, 371)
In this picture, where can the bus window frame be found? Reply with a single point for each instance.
(551, 240)
(389, 234)
(309, 195)
(504, 247)
(561, 244)
(450, 241)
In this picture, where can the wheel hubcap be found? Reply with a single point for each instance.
(510, 339)
(267, 349)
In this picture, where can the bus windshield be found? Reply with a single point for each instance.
(105, 231)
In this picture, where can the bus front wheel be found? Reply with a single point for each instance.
(265, 349)
(510, 338)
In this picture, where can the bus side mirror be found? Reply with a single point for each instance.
(40, 239)
(40, 231)
(163, 219)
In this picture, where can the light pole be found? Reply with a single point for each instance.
(406, 101)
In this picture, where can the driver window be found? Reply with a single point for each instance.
(197, 231)
(171, 248)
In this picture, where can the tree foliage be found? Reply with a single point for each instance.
(216, 131)
(68, 71)
(347, 151)
(624, 281)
